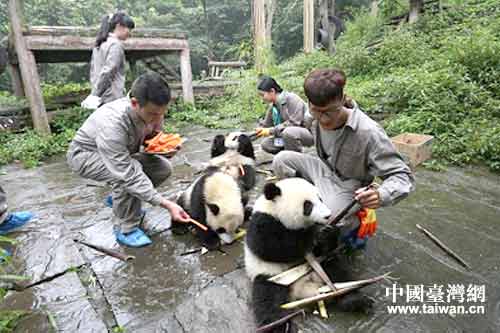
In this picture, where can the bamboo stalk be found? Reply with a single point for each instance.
(314, 263)
(326, 296)
(264, 172)
(280, 321)
(109, 252)
(443, 246)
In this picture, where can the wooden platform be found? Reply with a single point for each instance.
(28, 46)
(53, 44)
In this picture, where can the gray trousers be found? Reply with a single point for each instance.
(336, 194)
(3, 205)
(126, 207)
(294, 137)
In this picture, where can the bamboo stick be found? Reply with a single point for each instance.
(314, 263)
(338, 292)
(443, 246)
(279, 322)
(109, 252)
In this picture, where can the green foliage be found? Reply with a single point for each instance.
(52, 91)
(6, 100)
(10, 319)
(431, 78)
(30, 148)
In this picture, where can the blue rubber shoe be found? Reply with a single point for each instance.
(135, 238)
(109, 201)
(14, 221)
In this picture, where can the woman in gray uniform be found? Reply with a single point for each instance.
(107, 67)
(284, 120)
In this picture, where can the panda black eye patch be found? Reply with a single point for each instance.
(214, 209)
(308, 207)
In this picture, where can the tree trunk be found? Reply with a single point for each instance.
(260, 42)
(416, 7)
(374, 8)
(327, 9)
(331, 29)
(270, 10)
(207, 26)
(308, 26)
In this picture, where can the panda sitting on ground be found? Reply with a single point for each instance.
(280, 233)
(214, 199)
(235, 155)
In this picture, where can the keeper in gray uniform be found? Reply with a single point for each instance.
(107, 65)
(352, 150)
(284, 120)
(106, 149)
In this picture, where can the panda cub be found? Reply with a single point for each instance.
(214, 199)
(280, 233)
(235, 155)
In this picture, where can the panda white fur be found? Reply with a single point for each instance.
(234, 154)
(214, 199)
(280, 233)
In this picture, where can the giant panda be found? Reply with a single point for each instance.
(281, 231)
(214, 199)
(234, 153)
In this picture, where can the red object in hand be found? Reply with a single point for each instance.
(367, 222)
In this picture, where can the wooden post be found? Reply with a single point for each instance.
(29, 71)
(374, 8)
(186, 76)
(308, 26)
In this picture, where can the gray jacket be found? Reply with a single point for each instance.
(115, 131)
(292, 110)
(363, 151)
(107, 70)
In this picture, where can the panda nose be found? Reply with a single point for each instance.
(328, 217)
(220, 230)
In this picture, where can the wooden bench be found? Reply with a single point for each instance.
(216, 69)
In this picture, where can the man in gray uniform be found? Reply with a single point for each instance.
(352, 150)
(106, 148)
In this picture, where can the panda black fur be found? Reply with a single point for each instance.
(214, 199)
(232, 152)
(281, 231)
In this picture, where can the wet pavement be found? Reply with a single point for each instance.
(76, 289)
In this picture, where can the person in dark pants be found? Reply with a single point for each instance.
(283, 124)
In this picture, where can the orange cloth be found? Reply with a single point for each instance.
(368, 222)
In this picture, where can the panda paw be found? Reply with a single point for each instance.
(211, 243)
(179, 228)
(356, 302)
(326, 240)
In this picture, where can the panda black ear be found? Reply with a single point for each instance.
(214, 209)
(218, 147)
(271, 191)
(245, 146)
